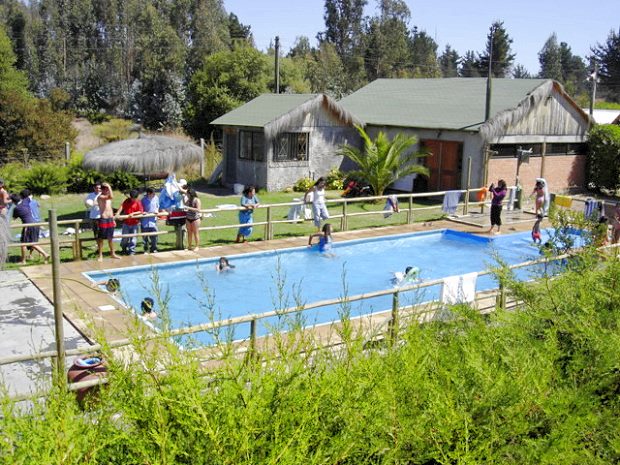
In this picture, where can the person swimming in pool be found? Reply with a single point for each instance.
(223, 265)
(111, 285)
(411, 275)
(325, 239)
(147, 308)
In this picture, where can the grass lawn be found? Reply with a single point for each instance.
(71, 206)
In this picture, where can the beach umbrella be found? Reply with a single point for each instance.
(146, 155)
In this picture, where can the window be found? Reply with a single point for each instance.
(251, 145)
(566, 149)
(291, 147)
(511, 150)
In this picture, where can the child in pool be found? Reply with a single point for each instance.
(223, 265)
(536, 235)
(325, 239)
(147, 309)
(411, 274)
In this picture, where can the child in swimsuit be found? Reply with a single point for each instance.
(325, 239)
(536, 235)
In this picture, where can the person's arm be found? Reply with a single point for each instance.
(306, 194)
(312, 236)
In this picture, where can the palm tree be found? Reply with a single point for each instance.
(383, 161)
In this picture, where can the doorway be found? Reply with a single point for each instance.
(445, 164)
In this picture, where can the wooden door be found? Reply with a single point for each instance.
(444, 165)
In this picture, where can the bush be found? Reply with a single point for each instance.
(124, 181)
(604, 157)
(303, 184)
(46, 178)
(335, 179)
(114, 130)
(14, 175)
(80, 179)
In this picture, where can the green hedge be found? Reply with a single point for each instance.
(604, 157)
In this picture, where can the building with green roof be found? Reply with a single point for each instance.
(274, 140)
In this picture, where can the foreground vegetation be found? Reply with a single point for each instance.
(534, 386)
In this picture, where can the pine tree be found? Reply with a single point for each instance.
(424, 55)
(550, 60)
(498, 41)
(469, 65)
(608, 57)
(520, 72)
(449, 62)
(574, 72)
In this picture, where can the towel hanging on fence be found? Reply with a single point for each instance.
(589, 208)
(459, 289)
(450, 202)
(563, 201)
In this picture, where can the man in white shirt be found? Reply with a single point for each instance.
(92, 207)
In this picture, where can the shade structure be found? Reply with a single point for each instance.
(147, 155)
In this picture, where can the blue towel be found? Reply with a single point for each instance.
(450, 202)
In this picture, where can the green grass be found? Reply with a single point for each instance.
(71, 206)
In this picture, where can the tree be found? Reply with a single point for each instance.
(387, 41)
(344, 30)
(301, 48)
(326, 72)
(470, 67)
(449, 62)
(424, 55)
(574, 72)
(383, 161)
(550, 60)
(498, 42)
(520, 72)
(10, 78)
(608, 57)
(227, 80)
(604, 157)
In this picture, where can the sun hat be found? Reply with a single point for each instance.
(182, 182)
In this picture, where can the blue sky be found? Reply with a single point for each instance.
(462, 24)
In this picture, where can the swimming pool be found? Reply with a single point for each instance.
(265, 281)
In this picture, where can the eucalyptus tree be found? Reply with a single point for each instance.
(498, 45)
(424, 55)
(383, 161)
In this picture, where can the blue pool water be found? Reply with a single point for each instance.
(263, 281)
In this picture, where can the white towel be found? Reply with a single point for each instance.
(450, 202)
(511, 197)
(459, 289)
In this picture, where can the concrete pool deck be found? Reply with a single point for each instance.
(95, 314)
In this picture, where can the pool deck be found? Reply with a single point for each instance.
(95, 313)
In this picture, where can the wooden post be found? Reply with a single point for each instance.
(468, 185)
(410, 210)
(251, 354)
(268, 228)
(67, 151)
(202, 158)
(58, 318)
(543, 156)
(77, 245)
(501, 297)
(343, 220)
(393, 325)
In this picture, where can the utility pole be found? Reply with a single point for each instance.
(487, 109)
(277, 64)
(594, 78)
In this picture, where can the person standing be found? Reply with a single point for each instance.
(133, 208)
(29, 234)
(106, 224)
(497, 197)
(319, 209)
(539, 193)
(150, 204)
(92, 207)
(249, 201)
(5, 201)
(192, 222)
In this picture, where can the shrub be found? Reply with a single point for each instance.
(604, 157)
(124, 181)
(80, 179)
(114, 130)
(46, 178)
(14, 175)
(335, 179)
(303, 184)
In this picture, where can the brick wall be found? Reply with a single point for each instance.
(562, 172)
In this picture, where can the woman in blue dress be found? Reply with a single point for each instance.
(249, 201)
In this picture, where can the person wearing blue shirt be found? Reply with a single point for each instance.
(150, 204)
(249, 201)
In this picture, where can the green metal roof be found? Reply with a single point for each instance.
(451, 103)
(263, 110)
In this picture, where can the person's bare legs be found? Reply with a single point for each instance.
(23, 260)
(112, 253)
(44, 254)
(99, 250)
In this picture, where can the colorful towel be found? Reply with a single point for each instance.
(563, 201)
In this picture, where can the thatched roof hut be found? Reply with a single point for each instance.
(145, 155)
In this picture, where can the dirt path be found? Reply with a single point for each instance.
(86, 139)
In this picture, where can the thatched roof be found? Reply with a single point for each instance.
(144, 155)
(292, 118)
(497, 125)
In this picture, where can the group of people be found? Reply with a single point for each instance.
(23, 206)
